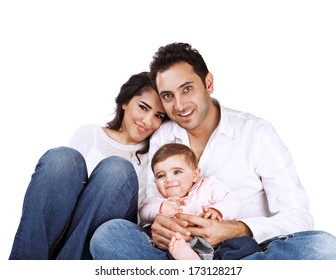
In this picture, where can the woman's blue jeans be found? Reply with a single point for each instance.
(63, 207)
(124, 240)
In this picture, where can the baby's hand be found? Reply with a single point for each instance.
(211, 213)
(171, 206)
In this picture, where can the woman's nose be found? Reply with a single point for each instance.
(147, 121)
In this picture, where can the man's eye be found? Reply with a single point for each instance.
(166, 96)
(187, 89)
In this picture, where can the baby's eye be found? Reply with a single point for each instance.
(161, 176)
(176, 172)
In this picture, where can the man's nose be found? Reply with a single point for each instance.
(179, 104)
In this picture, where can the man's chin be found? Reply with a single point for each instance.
(188, 125)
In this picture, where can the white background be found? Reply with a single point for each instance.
(63, 62)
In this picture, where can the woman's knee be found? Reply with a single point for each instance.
(115, 172)
(116, 165)
(59, 168)
(63, 158)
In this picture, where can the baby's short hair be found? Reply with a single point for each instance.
(173, 149)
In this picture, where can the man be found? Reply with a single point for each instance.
(239, 149)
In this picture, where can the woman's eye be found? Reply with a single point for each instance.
(143, 107)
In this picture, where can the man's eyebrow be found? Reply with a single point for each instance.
(184, 84)
(179, 87)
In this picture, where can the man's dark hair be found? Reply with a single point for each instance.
(171, 54)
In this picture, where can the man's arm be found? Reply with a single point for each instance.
(164, 228)
(215, 232)
(212, 231)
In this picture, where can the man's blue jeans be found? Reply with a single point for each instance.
(124, 240)
(62, 207)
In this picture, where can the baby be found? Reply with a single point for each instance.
(182, 189)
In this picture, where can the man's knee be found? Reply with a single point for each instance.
(109, 239)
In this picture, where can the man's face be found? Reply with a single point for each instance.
(183, 95)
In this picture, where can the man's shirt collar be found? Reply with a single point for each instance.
(224, 126)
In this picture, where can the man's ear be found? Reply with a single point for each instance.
(209, 83)
(197, 173)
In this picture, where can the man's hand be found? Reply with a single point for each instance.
(213, 231)
(165, 227)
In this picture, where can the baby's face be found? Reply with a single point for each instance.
(174, 177)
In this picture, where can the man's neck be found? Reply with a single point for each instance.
(200, 136)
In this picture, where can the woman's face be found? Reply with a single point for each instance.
(143, 115)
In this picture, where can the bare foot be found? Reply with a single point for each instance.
(180, 249)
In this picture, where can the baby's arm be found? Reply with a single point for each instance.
(224, 200)
(170, 207)
(211, 213)
(149, 208)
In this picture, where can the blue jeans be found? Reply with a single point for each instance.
(62, 207)
(123, 240)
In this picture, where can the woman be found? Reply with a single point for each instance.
(63, 205)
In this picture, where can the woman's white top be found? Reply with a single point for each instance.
(94, 144)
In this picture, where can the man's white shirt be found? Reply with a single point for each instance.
(248, 156)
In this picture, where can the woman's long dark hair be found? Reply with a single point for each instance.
(135, 86)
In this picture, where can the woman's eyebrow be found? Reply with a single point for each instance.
(149, 107)
(145, 104)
